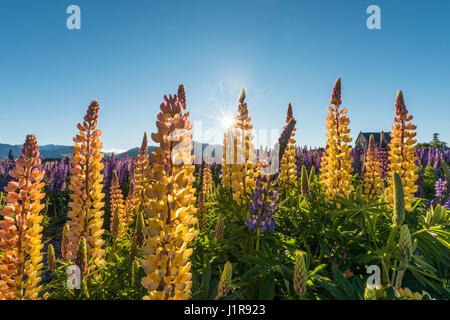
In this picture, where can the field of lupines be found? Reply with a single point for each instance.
(160, 227)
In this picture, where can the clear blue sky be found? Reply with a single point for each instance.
(129, 53)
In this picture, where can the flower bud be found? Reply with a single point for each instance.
(399, 201)
(405, 243)
(219, 228)
(312, 175)
(51, 261)
(300, 275)
(304, 182)
(81, 259)
(225, 280)
(65, 242)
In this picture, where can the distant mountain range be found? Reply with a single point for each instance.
(52, 151)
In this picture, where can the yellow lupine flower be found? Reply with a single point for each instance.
(226, 160)
(336, 164)
(169, 205)
(406, 293)
(288, 169)
(86, 183)
(117, 228)
(141, 173)
(130, 204)
(207, 182)
(372, 180)
(243, 172)
(21, 229)
(201, 212)
(402, 153)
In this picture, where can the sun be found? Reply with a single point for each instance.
(227, 121)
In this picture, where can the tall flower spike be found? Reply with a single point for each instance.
(141, 173)
(304, 183)
(170, 206)
(398, 215)
(86, 183)
(446, 171)
(402, 153)
(300, 274)
(65, 242)
(139, 235)
(244, 160)
(117, 208)
(130, 204)
(225, 280)
(227, 159)
(207, 182)
(383, 159)
(219, 228)
(81, 259)
(20, 229)
(312, 175)
(263, 204)
(134, 273)
(201, 212)
(288, 173)
(335, 172)
(372, 181)
(51, 260)
(405, 243)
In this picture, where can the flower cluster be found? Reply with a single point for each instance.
(140, 176)
(117, 208)
(401, 153)
(244, 160)
(263, 204)
(169, 205)
(383, 159)
(21, 229)
(335, 172)
(300, 274)
(227, 158)
(86, 183)
(207, 181)
(288, 172)
(130, 204)
(372, 181)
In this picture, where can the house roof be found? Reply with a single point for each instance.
(376, 136)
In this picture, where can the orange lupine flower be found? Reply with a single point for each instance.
(20, 228)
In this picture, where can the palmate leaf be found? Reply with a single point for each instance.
(206, 277)
(254, 260)
(434, 247)
(267, 290)
(252, 274)
(343, 283)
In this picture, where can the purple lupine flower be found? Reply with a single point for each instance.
(441, 188)
(263, 204)
(442, 194)
(383, 159)
(446, 155)
(318, 160)
(437, 162)
(5, 167)
(10, 155)
(356, 163)
(420, 193)
(298, 164)
(430, 157)
(421, 157)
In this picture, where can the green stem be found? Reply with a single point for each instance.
(258, 238)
